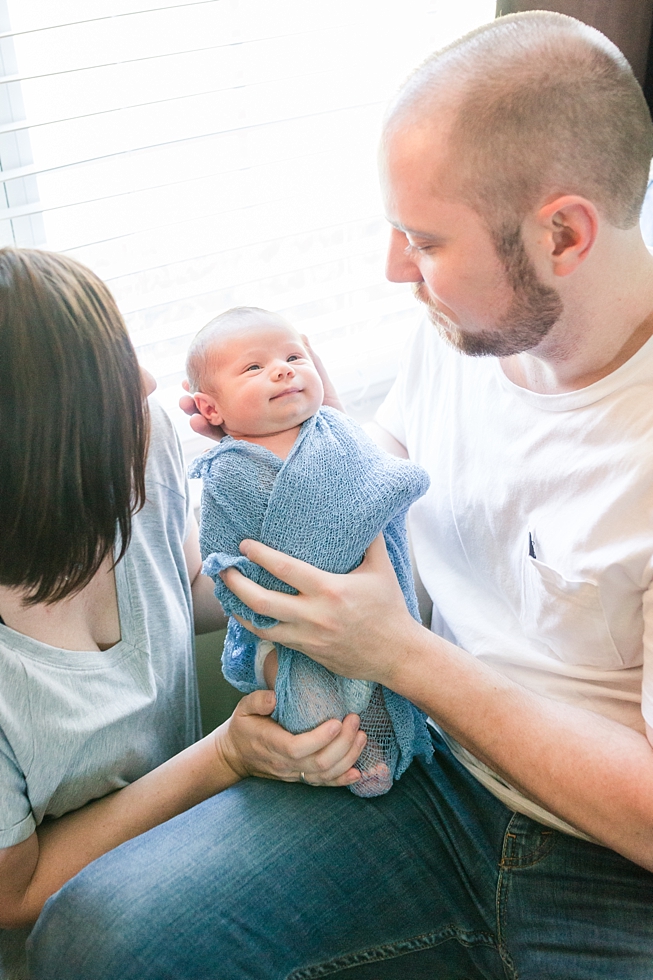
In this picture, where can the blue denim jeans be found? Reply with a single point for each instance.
(273, 881)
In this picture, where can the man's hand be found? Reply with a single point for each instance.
(254, 745)
(348, 623)
(330, 394)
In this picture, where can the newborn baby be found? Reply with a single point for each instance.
(306, 480)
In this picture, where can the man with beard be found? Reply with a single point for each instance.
(514, 164)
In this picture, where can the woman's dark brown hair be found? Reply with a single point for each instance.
(73, 426)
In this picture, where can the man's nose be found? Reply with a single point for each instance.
(399, 266)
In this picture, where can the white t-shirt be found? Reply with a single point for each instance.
(77, 725)
(535, 539)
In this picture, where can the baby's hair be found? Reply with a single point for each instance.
(198, 359)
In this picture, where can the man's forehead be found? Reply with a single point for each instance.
(417, 154)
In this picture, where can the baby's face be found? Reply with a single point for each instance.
(265, 381)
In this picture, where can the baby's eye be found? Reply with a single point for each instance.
(296, 357)
(253, 367)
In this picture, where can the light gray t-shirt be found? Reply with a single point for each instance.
(74, 725)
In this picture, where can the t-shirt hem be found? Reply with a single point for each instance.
(508, 795)
(647, 708)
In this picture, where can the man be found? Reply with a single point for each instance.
(514, 166)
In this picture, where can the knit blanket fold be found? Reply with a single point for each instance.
(324, 504)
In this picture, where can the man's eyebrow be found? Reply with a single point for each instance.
(415, 232)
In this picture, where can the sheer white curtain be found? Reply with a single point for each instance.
(209, 153)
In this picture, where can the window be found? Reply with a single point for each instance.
(212, 153)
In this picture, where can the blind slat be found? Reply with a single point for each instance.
(112, 17)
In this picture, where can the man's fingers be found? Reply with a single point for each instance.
(187, 405)
(265, 602)
(376, 555)
(299, 574)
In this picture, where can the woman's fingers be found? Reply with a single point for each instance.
(255, 745)
(300, 748)
(333, 765)
(257, 703)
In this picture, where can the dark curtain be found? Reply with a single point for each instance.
(626, 22)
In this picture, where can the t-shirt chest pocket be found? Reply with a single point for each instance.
(567, 616)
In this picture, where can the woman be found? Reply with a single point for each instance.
(99, 579)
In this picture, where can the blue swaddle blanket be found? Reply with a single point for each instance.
(324, 504)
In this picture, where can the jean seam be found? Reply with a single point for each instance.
(509, 863)
(503, 886)
(402, 947)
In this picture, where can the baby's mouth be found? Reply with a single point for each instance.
(287, 391)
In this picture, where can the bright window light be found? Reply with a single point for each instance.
(208, 154)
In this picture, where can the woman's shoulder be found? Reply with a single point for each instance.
(165, 460)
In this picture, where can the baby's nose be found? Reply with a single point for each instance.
(284, 370)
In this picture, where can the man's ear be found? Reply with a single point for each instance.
(208, 407)
(570, 225)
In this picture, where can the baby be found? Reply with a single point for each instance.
(306, 480)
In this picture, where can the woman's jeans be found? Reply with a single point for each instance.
(437, 880)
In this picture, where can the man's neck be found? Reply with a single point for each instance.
(600, 330)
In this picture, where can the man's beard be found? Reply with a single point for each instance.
(534, 310)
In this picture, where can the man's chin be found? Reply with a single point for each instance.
(445, 326)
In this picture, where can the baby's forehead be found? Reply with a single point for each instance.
(257, 333)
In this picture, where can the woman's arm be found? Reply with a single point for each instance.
(249, 743)
(208, 614)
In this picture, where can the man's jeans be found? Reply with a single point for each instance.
(435, 881)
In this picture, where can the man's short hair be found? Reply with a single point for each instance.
(543, 105)
(73, 425)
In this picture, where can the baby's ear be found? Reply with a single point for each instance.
(208, 407)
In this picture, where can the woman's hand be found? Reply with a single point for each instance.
(352, 624)
(254, 745)
(197, 422)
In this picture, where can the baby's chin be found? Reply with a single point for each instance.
(271, 429)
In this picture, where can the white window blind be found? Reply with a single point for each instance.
(212, 153)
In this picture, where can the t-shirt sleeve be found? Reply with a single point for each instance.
(166, 464)
(393, 414)
(390, 415)
(647, 676)
(16, 818)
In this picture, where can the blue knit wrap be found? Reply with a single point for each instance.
(324, 504)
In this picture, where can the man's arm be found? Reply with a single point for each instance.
(592, 772)
(385, 440)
